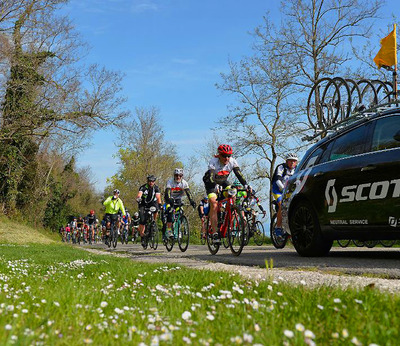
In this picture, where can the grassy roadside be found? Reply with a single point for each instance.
(17, 233)
(58, 294)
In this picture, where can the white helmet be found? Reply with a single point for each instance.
(292, 156)
(178, 171)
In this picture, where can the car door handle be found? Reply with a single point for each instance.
(368, 168)
(318, 174)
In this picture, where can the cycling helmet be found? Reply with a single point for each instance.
(236, 183)
(116, 191)
(178, 171)
(292, 156)
(126, 210)
(92, 212)
(225, 149)
(151, 178)
(136, 215)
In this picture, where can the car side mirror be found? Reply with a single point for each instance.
(397, 136)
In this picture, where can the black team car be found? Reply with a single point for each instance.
(347, 186)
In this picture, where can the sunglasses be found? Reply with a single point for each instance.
(178, 175)
(226, 155)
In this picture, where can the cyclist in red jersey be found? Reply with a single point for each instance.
(218, 172)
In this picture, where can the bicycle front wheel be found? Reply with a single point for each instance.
(278, 242)
(154, 236)
(236, 233)
(170, 241)
(212, 246)
(183, 234)
(259, 234)
(114, 236)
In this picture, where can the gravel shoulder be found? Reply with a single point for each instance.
(309, 278)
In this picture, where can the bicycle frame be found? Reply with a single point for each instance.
(176, 218)
(225, 205)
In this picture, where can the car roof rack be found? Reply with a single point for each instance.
(355, 117)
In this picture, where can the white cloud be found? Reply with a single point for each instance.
(140, 6)
(184, 61)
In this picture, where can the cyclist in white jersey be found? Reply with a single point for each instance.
(218, 172)
(174, 192)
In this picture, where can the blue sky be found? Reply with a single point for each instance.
(172, 52)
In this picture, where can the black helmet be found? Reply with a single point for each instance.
(151, 178)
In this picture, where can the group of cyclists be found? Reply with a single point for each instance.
(81, 228)
(216, 185)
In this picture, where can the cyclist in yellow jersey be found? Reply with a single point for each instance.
(113, 204)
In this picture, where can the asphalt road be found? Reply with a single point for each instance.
(384, 262)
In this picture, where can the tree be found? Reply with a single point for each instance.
(143, 151)
(46, 93)
(271, 86)
(315, 39)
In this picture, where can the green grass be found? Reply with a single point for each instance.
(17, 233)
(57, 294)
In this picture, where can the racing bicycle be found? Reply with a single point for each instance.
(112, 236)
(230, 225)
(124, 233)
(150, 237)
(278, 241)
(254, 228)
(180, 229)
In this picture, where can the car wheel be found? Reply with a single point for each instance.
(306, 232)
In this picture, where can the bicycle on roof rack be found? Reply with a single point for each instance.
(333, 101)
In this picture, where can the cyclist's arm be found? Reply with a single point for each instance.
(278, 177)
(107, 201)
(239, 175)
(139, 195)
(158, 198)
(167, 194)
(121, 207)
(189, 195)
(209, 175)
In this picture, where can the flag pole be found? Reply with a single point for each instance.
(395, 65)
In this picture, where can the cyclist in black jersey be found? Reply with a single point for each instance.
(149, 195)
(91, 221)
(135, 225)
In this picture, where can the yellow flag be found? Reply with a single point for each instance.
(387, 55)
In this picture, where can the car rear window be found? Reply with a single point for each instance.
(386, 133)
(349, 144)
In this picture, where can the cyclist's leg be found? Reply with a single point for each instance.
(142, 220)
(213, 203)
(277, 194)
(212, 200)
(168, 215)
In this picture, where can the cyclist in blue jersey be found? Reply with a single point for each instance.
(281, 176)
